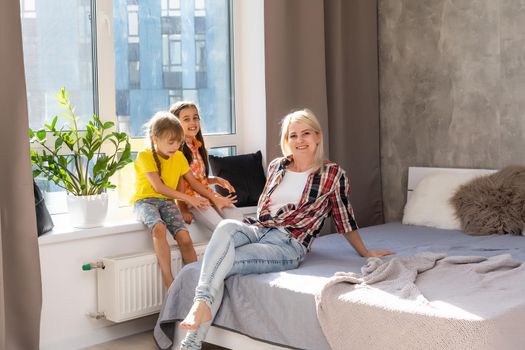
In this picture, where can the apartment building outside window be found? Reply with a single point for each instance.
(163, 51)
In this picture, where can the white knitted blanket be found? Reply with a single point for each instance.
(426, 301)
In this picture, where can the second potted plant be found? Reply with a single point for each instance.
(80, 161)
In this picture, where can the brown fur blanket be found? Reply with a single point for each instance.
(493, 203)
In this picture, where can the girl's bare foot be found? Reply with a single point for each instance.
(199, 313)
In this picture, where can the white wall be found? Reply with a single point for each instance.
(69, 294)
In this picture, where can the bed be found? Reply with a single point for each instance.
(280, 310)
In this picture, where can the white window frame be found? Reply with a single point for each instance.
(248, 82)
(249, 98)
(249, 76)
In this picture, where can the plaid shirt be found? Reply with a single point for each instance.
(326, 192)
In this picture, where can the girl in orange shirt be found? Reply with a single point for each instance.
(197, 156)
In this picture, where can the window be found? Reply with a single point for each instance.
(223, 151)
(171, 60)
(27, 7)
(170, 8)
(57, 52)
(147, 55)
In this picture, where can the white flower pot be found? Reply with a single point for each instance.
(87, 211)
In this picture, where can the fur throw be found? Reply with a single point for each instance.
(493, 203)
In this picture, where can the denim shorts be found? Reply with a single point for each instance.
(154, 210)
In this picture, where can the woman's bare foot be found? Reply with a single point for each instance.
(199, 313)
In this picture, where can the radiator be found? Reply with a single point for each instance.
(130, 285)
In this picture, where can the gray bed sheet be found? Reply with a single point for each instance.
(279, 308)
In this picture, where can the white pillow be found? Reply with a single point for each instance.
(429, 204)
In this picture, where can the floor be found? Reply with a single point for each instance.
(142, 341)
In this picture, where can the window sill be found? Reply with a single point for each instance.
(119, 221)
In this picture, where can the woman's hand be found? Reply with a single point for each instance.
(354, 238)
(378, 253)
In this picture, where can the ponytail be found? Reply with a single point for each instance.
(156, 157)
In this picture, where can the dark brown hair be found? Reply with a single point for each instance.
(175, 109)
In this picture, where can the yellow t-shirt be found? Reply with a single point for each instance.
(172, 169)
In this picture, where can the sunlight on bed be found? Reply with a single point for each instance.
(377, 298)
(298, 283)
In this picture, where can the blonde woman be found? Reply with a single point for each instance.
(302, 190)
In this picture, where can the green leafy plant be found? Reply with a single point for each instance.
(73, 159)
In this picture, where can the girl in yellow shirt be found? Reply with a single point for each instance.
(158, 170)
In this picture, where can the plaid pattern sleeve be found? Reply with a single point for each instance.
(342, 210)
(325, 194)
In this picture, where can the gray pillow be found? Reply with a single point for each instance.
(493, 203)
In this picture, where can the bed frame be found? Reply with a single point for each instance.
(236, 341)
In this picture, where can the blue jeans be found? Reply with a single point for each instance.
(239, 248)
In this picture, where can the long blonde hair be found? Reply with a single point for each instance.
(307, 117)
(163, 124)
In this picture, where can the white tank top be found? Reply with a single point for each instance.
(289, 191)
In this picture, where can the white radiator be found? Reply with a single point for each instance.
(131, 286)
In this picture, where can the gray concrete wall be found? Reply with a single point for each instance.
(452, 88)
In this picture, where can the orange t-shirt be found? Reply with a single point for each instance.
(197, 168)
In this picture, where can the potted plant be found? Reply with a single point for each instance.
(75, 160)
